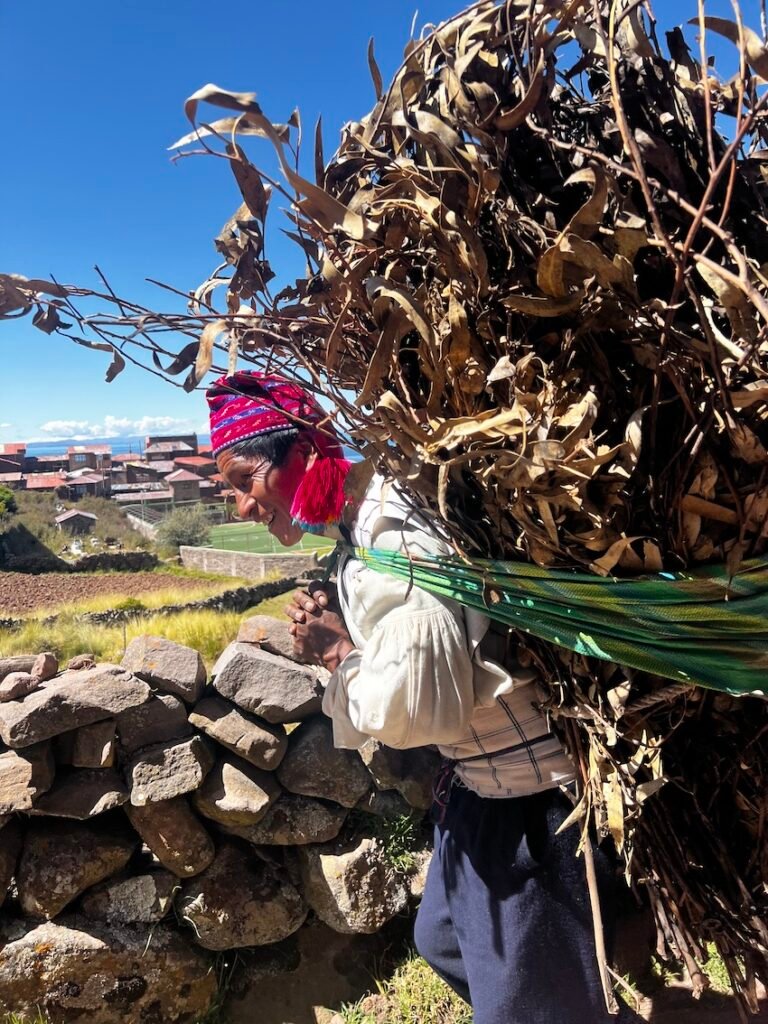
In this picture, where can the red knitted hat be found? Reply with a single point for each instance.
(248, 404)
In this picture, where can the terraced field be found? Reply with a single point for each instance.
(23, 594)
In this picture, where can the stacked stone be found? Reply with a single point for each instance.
(130, 791)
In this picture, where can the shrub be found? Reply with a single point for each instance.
(187, 525)
(7, 503)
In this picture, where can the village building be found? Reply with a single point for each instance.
(44, 482)
(161, 496)
(46, 464)
(85, 481)
(90, 456)
(76, 522)
(13, 453)
(186, 486)
(174, 439)
(198, 464)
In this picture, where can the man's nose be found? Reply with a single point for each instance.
(245, 504)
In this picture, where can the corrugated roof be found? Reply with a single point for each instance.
(44, 481)
(194, 460)
(94, 449)
(168, 446)
(73, 513)
(182, 474)
(134, 496)
(9, 478)
(76, 479)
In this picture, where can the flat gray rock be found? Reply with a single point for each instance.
(168, 770)
(175, 835)
(167, 665)
(270, 634)
(161, 719)
(60, 860)
(384, 804)
(314, 767)
(70, 700)
(257, 742)
(94, 745)
(267, 685)
(81, 794)
(240, 901)
(17, 685)
(90, 972)
(82, 661)
(294, 821)
(91, 746)
(410, 772)
(351, 887)
(16, 663)
(236, 793)
(24, 776)
(131, 899)
(45, 666)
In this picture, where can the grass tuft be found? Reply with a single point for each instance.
(400, 837)
(414, 994)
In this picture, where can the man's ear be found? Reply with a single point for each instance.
(307, 450)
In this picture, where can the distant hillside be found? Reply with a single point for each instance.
(31, 536)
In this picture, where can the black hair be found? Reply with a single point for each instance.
(273, 447)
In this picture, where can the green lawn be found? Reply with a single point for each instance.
(257, 539)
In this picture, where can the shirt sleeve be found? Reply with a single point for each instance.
(411, 683)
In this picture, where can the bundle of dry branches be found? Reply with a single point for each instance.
(536, 294)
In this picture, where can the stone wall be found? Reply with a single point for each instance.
(151, 817)
(141, 526)
(247, 565)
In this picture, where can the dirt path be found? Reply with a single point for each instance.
(22, 593)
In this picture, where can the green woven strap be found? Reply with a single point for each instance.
(704, 626)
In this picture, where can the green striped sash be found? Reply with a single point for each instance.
(702, 626)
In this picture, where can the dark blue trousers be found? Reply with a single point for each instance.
(505, 919)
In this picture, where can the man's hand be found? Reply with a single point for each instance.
(319, 634)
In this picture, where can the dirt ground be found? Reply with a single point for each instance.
(23, 594)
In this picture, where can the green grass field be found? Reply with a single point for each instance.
(258, 540)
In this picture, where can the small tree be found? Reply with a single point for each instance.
(186, 525)
(7, 503)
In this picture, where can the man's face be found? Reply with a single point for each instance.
(264, 493)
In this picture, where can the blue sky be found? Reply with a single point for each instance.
(93, 97)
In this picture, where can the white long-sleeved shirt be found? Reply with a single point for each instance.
(423, 670)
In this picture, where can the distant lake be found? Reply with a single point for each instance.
(122, 445)
(133, 445)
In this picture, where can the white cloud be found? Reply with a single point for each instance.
(113, 426)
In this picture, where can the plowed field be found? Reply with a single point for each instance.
(23, 594)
